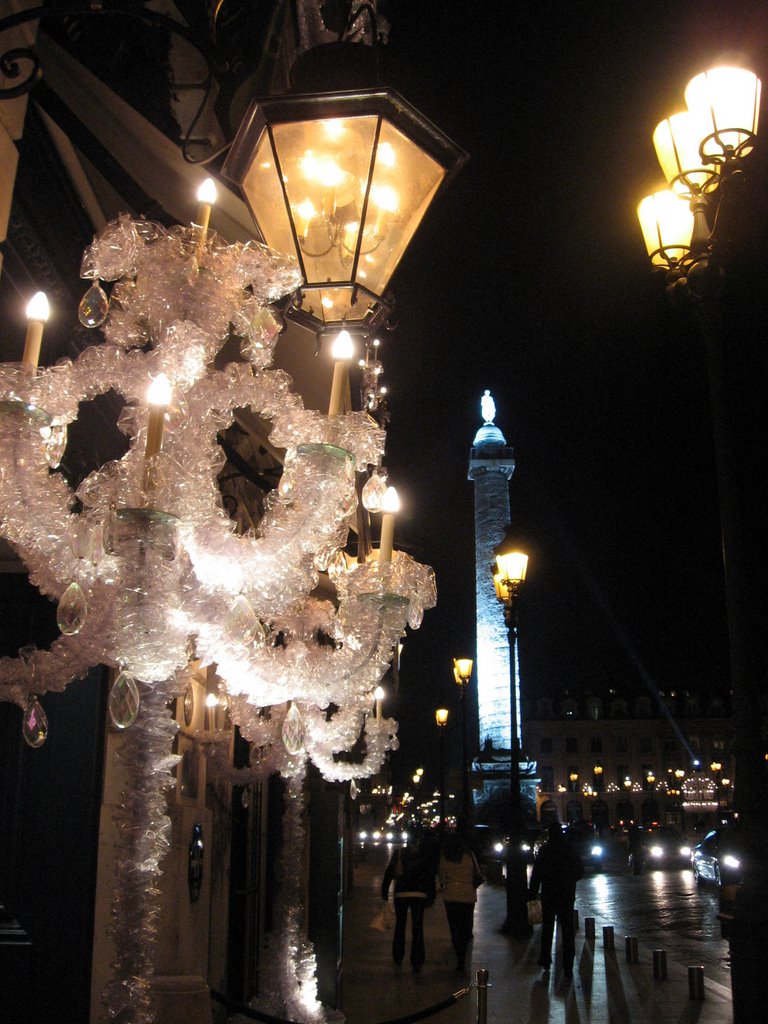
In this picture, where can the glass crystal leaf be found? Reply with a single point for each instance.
(293, 731)
(241, 623)
(34, 726)
(72, 611)
(124, 701)
(94, 306)
(54, 443)
(353, 790)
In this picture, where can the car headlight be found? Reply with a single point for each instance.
(376, 835)
(657, 851)
(498, 847)
(363, 835)
(597, 851)
(525, 848)
(390, 836)
(404, 837)
(729, 861)
(685, 851)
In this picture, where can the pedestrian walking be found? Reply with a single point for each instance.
(459, 875)
(556, 870)
(413, 869)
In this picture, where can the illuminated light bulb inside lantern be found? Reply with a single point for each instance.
(293, 731)
(387, 201)
(326, 302)
(334, 129)
(307, 213)
(351, 231)
(385, 155)
(207, 192)
(38, 307)
(343, 347)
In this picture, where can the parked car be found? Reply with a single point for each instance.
(718, 858)
(666, 848)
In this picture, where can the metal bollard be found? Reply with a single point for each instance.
(659, 964)
(608, 937)
(482, 995)
(575, 920)
(696, 982)
(632, 954)
(589, 928)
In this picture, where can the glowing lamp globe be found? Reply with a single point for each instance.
(667, 225)
(340, 180)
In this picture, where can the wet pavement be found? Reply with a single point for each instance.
(662, 910)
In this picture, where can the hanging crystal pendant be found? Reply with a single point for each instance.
(293, 731)
(374, 490)
(124, 701)
(55, 441)
(34, 726)
(72, 611)
(353, 790)
(241, 623)
(94, 306)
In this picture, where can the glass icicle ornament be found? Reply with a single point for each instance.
(124, 701)
(353, 790)
(72, 610)
(94, 306)
(34, 725)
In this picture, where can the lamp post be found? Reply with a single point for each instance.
(598, 772)
(704, 155)
(511, 567)
(573, 779)
(462, 673)
(441, 717)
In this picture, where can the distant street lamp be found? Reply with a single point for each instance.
(562, 790)
(598, 772)
(441, 717)
(689, 232)
(462, 673)
(511, 566)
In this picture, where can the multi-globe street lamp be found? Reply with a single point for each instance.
(462, 673)
(689, 232)
(441, 718)
(511, 566)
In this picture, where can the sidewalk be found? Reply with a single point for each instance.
(605, 988)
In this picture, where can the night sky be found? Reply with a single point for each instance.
(529, 277)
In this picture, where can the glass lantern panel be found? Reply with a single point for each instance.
(261, 186)
(728, 101)
(404, 182)
(325, 167)
(667, 225)
(676, 140)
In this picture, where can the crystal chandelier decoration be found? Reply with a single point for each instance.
(147, 568)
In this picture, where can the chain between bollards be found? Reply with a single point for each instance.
(482, 995)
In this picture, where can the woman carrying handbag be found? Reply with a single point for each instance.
(459, 875)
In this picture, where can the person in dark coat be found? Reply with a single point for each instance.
(413, 869)
(557, 869)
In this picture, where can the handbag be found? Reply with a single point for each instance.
(534, 912)
(384, 918)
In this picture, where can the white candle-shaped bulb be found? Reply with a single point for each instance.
(38, 311)
(206, 197)
(390, 506)
(158, 399)
(342, 352)
(378, 696)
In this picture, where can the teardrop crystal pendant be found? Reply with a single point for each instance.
(293, 731)
(72, 611)
(373, 491)
(94, 306)
(353, 790)
(124, 701)
(241, 623)
(34, 726)
(54, 442)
